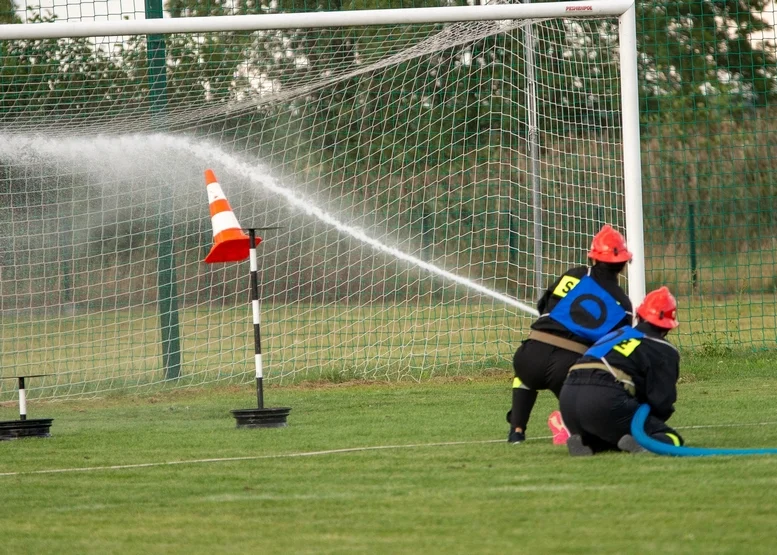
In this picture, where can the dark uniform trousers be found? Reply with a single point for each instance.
(542, 366)
(539, 366)
(598, 408)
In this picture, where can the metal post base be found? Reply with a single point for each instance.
(261, 418)
(16, 429)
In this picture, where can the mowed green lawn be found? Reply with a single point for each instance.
(386, 468)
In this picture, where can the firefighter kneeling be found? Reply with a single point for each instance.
(624, 369)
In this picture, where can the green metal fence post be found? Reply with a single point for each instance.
(66, 255)
(427, 233)
(513, 236)
(692, 243)
(166, 286)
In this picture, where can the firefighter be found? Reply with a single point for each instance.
(581, 306)
(628, 367)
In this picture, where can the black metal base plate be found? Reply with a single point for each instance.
(261, 418)
(16, 429)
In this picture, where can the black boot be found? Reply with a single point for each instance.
(577, 448)
(516, 437)
(630, 445)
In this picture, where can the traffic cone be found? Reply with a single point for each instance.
(230, 244)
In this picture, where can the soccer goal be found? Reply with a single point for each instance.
(429, 171)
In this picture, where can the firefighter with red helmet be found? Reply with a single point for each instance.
(580, 307)
(621, 371)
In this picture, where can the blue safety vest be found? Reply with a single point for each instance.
(586, 308)
(623, 340)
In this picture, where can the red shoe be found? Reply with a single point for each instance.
(556, 425)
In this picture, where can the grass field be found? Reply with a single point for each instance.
(385, 468)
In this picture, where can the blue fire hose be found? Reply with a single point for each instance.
(660, 448)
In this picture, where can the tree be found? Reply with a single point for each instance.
(695, 52)
(8, 13)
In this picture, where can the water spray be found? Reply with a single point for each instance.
(92, 150)
(210, 152)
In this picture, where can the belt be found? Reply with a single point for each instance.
(557, 341)
(621, 376)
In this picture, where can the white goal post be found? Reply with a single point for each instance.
(415, 194)
(406, 16)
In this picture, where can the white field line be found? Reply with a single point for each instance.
(744, 425)
(254, 458)
(320, 453)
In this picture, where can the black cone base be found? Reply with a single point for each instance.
(15, 429)
(261, 418)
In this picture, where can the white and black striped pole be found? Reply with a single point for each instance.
(24, 427)
(22, 400)
(261, 417)
(255, 311)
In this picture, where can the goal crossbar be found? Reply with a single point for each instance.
(400, 16)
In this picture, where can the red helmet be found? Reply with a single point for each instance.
(609, 246)
(660, 309)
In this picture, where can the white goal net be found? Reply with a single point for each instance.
(427, 181)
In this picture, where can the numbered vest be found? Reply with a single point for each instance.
(623, 340)
(586, 309)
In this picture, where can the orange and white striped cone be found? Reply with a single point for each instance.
(230, 244)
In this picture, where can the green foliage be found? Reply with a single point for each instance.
(54, 79)
(725, 169)
(7, 13)
(697, 55)
(693, 55)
